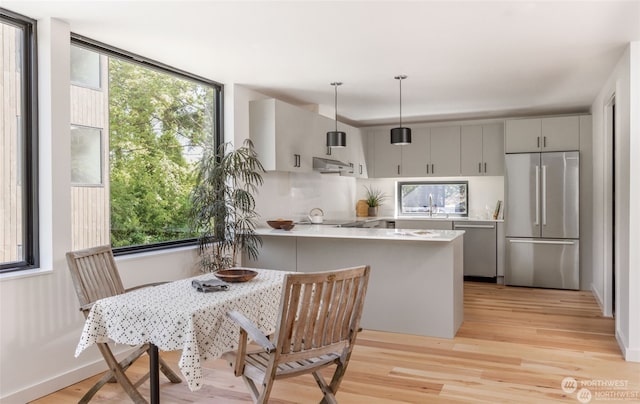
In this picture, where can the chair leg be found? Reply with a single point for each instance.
(109, 376)
(119, 374)
(253, 389)
(171, 375)
(328, 393)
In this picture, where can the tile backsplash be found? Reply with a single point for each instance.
(292, 195)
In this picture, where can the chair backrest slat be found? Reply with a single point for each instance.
(94, 273)
(320, 309)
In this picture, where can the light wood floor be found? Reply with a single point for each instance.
(516, 346)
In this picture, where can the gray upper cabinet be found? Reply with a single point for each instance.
(415, 156)
(445, 151)
(542, 134)
(561, 133)
(432, 152)
(482, 149)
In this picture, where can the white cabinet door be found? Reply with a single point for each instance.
(282, 135)
(493, 149)
(415, 156)
(294, 132)
(445, 151)
(388, 157)
(523, 135)
(561, 133)
(471, 150)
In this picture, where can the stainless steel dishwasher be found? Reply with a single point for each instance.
(480, 252)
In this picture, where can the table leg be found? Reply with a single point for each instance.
(154, 375)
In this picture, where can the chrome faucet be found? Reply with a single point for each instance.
(430, 205)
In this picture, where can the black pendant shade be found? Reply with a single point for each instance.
(401, 136)
(336, 138)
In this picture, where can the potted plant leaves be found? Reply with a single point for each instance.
(374, 198)
(223, 205)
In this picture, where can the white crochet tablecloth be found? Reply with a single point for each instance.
(175, 316)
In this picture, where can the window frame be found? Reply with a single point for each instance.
(29, 143)
(218, 135)
(400, 213)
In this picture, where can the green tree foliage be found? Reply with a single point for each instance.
(158, 123)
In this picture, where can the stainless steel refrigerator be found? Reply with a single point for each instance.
(542, 220)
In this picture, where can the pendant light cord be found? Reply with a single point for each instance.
(400, 79)
(335, 112)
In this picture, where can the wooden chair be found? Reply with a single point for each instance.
(317, 326)
(95, 276)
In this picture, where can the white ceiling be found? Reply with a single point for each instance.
(463, 59)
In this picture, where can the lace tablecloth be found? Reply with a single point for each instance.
(175, 316)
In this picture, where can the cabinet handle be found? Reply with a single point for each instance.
(544, 141)
(427, 168)
(328, 151)
(479, 167)
(360, 168)
(433, 170)
(485, 168)
(538, 142)
(296, 162)
(398, 169)
(473, 226)
(351, 170)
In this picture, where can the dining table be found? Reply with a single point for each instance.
(176, 316)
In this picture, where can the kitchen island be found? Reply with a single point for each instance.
(416, 281)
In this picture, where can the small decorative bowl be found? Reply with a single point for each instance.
(235, 275)
(277, 224)
(287, 226)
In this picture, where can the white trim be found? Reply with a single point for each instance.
(598, 298)
(629, 354)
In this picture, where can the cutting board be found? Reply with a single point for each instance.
(362, 209)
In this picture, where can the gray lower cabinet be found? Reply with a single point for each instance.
(480, 248)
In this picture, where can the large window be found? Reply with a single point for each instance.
(429, 198)
(18, 144)
(137, 132)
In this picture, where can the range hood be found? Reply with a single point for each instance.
(325, 165)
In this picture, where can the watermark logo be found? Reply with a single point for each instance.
(599, 390)
(584, 395)
(569, 384)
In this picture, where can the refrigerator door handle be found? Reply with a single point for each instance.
(544, 195)
(543, 242)
(537, 195)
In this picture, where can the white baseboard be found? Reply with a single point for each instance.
(630, 354)
(54, 384)
(599, 298)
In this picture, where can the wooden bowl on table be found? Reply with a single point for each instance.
(234, 275)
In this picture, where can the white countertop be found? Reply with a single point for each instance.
(363, 233)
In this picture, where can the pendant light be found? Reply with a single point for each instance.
(400, 136)
(336, 138)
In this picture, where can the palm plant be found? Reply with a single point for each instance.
(223, 206)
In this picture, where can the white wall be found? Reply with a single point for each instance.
(624, 82)
(39, 316)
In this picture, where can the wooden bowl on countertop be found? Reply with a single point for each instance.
(277, 224)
